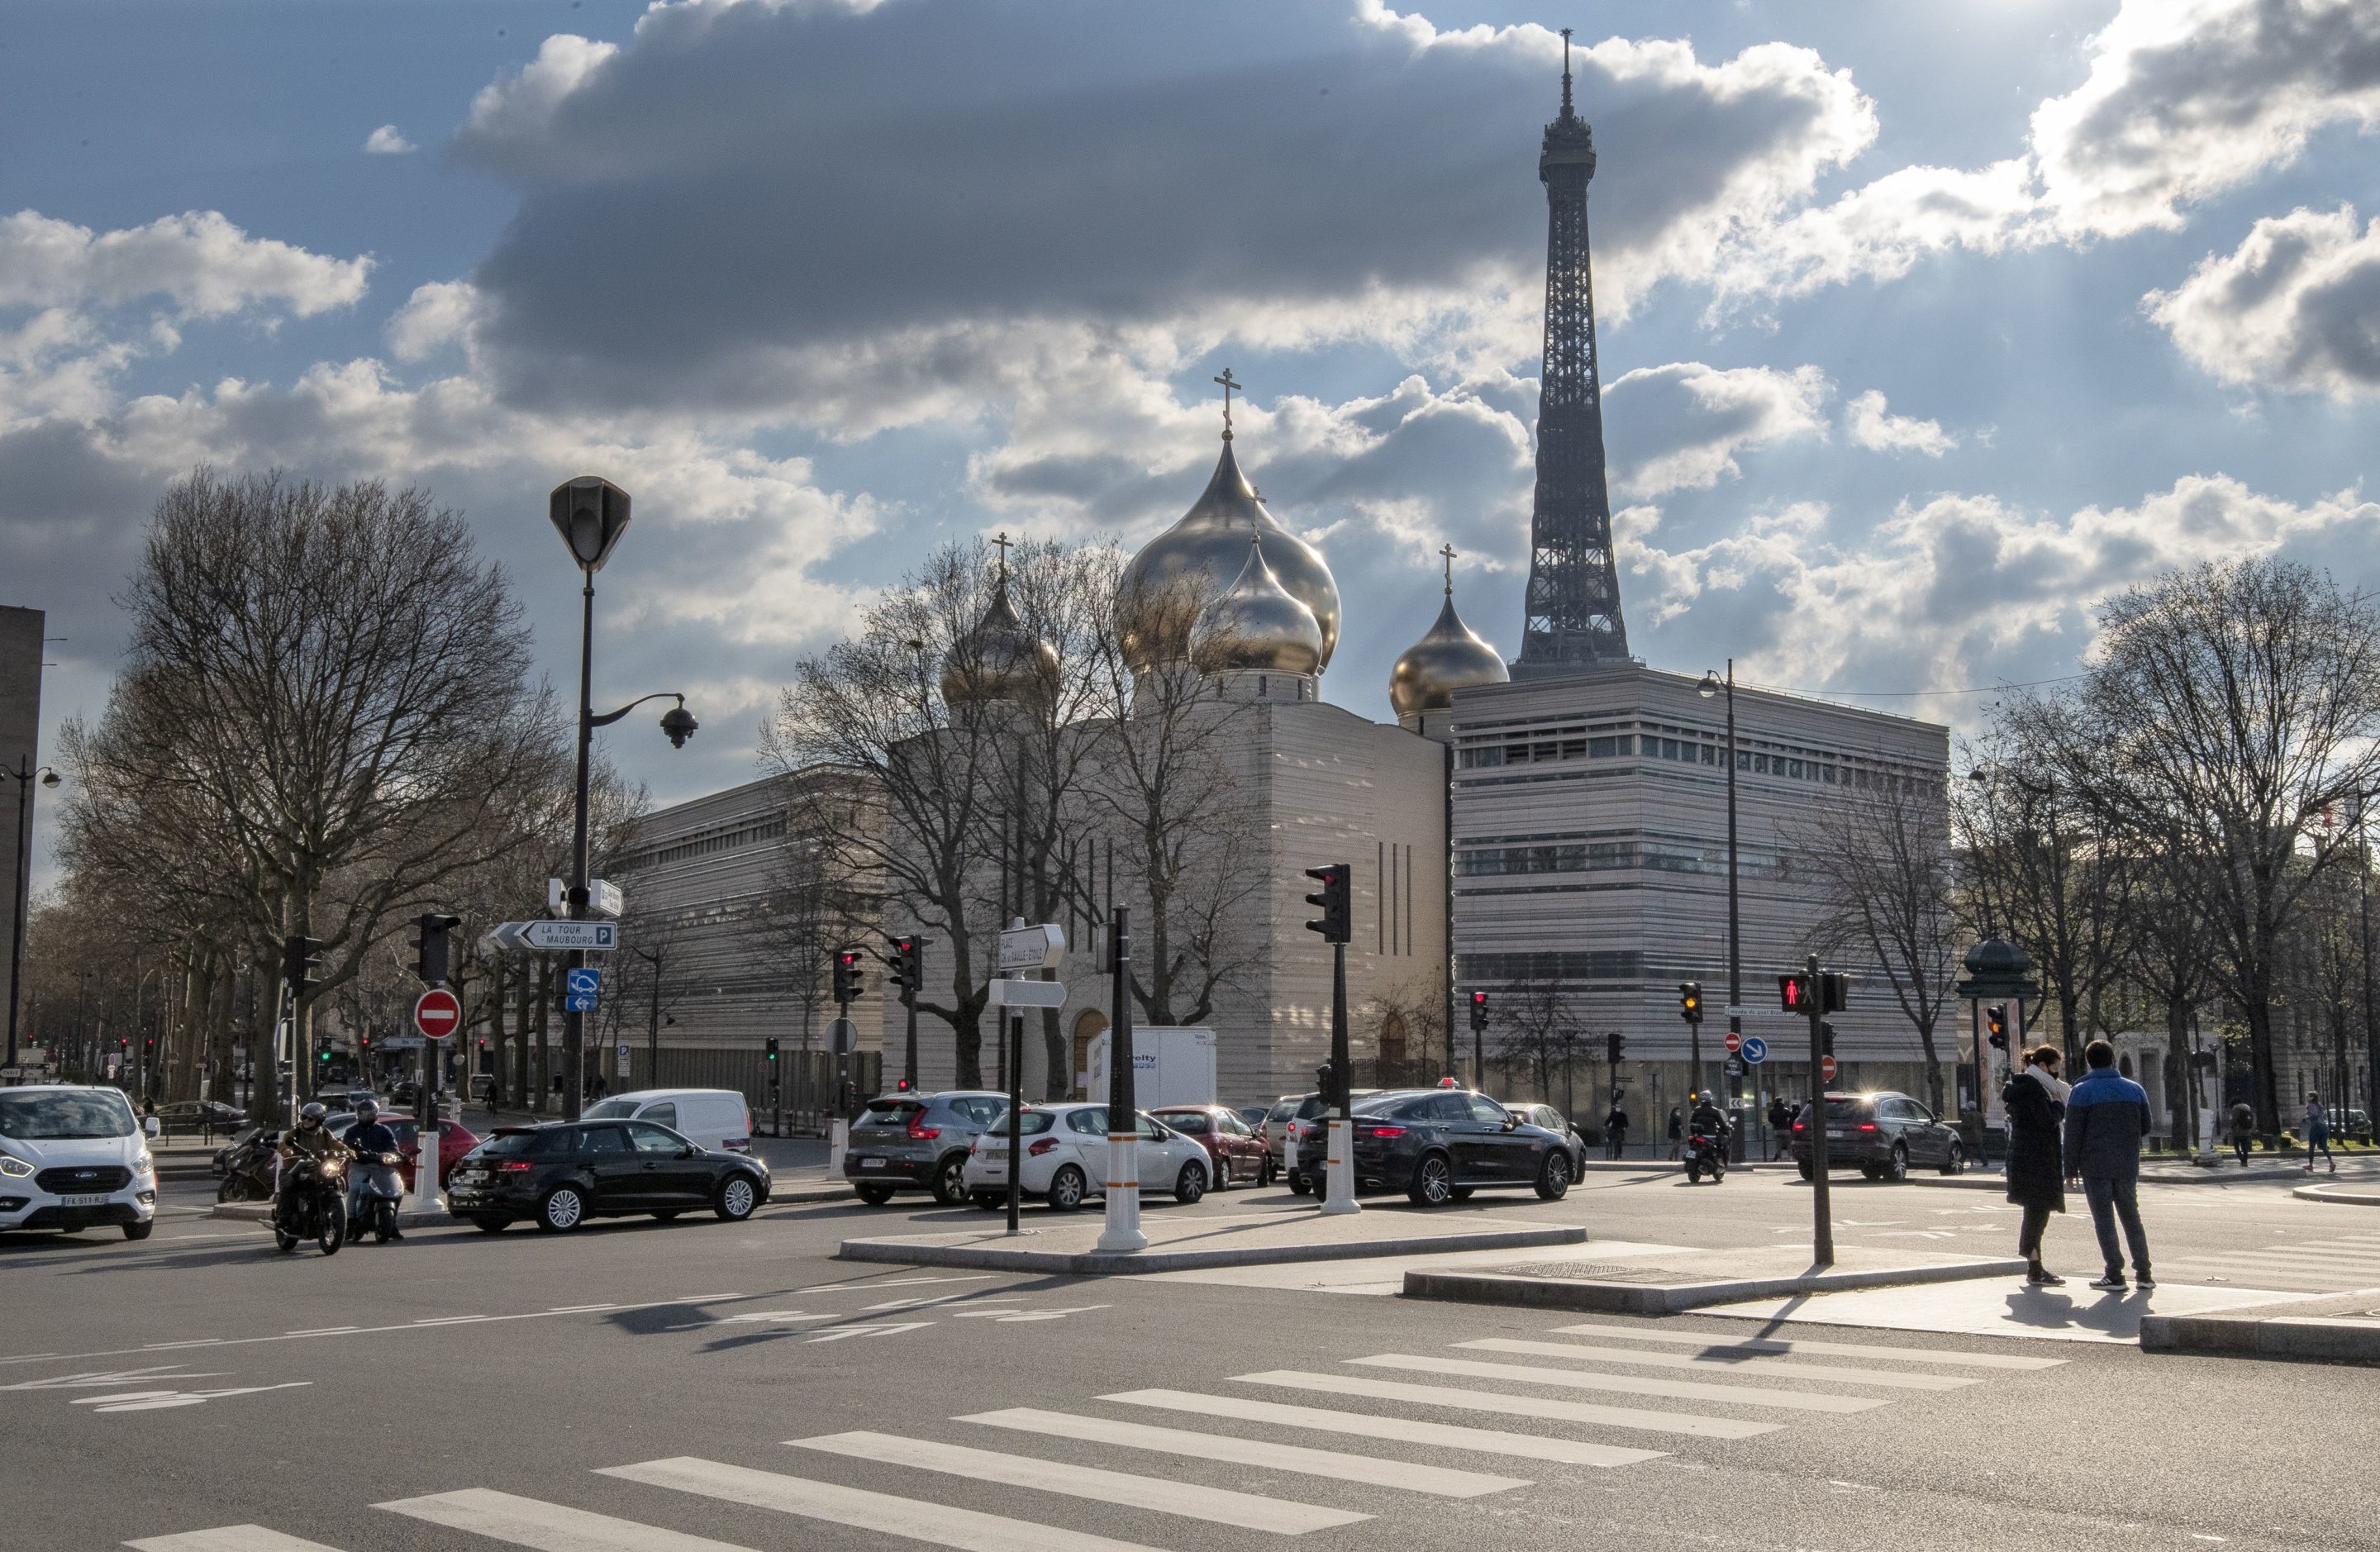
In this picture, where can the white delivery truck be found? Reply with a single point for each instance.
(1170, 1065)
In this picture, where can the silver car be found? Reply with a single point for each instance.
(918, 1142)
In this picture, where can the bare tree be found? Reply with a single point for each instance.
(1406, 1023)
(1531, 1019)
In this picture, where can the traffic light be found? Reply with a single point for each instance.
(846, 975)
(1690, 1001)
(1794, 994)
(1337, 922)
(429, 948)
(1835, 991)
(363, 1044)
(1826, 1039)
(1612, 1046)
(907, 961)
(1996, 1025)
(323, 1056)
(1478, 1011)
(301, 962)
(773, 1050)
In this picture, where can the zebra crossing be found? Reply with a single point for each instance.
(2338, 1265)
(1326, 1433)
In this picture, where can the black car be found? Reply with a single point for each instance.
(1440, 1145)
(558, 1176)
(1884, 1133)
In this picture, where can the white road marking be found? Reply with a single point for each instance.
(1011, 1318)
(1720, 1342)
(159, 1401)
(548, 1526)
(859, 1287)
(1405, 1430)
(228, 1538)
(1512, 1406)
(1219, 1506)
(1783, 1368)
(941, 1299)
(878, 1328)
(967, 1529)
(102, 1378)
(1441, 1481)
(1629, 1384)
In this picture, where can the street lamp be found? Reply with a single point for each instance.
(26, 773)
(590, 514)
(1711, 686)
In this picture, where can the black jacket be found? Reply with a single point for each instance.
(2036, 1173)
(1708, 1121)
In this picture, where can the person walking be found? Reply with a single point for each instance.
(2106, 1116)
(2317, 1133)
(1615, 1132)
(1677, 1129)
(2036, 1106)
(1780, 1126)
(2244, 1131)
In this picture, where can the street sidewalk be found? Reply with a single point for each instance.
(2337, 1327)
(1693, 1280)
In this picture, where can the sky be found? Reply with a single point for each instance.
(1922, 327)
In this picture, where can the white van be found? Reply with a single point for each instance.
(71, 1157)
(709, 1118)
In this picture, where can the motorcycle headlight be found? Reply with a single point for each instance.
(14, 1166)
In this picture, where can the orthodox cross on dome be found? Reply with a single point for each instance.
(1447, 551)
(1001, 543)
(1229, 383)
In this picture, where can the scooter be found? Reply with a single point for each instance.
(382, 1189)
(316, 1208)
(1703, 1152)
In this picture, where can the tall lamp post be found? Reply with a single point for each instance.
(26, 773)
(590, 514)
(1711, 686)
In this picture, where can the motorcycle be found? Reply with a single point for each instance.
(1704, 1152)
(247, 1169)
(382, 1191)
(316, 1208)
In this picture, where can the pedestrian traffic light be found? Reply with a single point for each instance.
(1794, 994)
(301, 962)
(1612, 1046)
(431, 946)
(1337, 922)
(1996, 1025)
(1690, 1001)
(773, 1050)
(1478, 1011)
(846, 975)
(1835, 991)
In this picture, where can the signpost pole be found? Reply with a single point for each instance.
(1339, 1158)
(1822, 1223)
(1123, 1231)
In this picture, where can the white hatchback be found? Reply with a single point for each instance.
(1066, 1158)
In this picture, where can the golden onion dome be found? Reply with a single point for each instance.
(1257, 625)
(999, 660)
(1196, 559)
(1448, 659)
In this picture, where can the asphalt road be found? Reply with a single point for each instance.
(652, 1376)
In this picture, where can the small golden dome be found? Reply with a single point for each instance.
(1448, 659)
(999, 660)
(1257, 625)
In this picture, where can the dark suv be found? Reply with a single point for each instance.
(1440, 1145)
(918, 1142)
(560, 1175)
(1884, 1133)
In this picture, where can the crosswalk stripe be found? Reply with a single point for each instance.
(1628, 1384)
(1222, 1506)
(2259, 1262)
(2320, 1252)
(550, 1527)
(1512, 1406)
(229, 1538)
(967, 1529)
(1718, 1343)
(1403, 1430)
(1783, 1368)
(1443, 1481)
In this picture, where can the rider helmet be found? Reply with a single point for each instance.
(366, 1109)
(313, 1115)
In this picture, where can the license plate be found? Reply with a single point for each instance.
(469, 1177)
(871, 1163)
(82, 1201)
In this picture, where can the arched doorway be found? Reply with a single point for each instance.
(1392, 1065)
(1089, 1025)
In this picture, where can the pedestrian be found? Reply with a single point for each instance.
(1677, 1129)
(2244, 1131)
(2106, 1116)
(2036, 1108)
(2317, 1133)
(1780, 1126)
(1615, 1132)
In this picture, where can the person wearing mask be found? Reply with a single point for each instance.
(2106, 1116)
(1677, 1130)
(1615, 1130)
(2317, 1133)
(2037, 1110)
(2244, 1131)
(369, 1138)
(1709, 1120)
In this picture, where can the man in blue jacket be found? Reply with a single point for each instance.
(2106, 1116)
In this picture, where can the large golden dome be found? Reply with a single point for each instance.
(1196, 560)
(999, 660)
(1448, 659)
(1256, 626)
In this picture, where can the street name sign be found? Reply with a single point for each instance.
(603, 897)
(1734, 1067)
(1026, 994)
(1755, 1049)
(1032, 948)
(438, 1014)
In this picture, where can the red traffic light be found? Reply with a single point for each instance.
(1794, 994)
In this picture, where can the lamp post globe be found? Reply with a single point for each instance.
(590, 514)
(1710, 684)
(679, 725)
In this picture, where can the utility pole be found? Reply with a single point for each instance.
(1123, 1231)
(1336, 924)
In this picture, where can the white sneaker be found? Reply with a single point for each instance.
(2109, 1284)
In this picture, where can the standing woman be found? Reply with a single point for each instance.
(2036, 1169)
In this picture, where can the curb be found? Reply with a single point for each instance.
(2279, 1335)
(2338, 1197)
(1629, 1298)
(1113, 1263)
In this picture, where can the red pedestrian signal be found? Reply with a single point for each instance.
(1794, 994)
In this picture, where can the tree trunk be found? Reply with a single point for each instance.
(2185, 1123)
(540, 1060)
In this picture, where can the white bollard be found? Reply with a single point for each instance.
(425, 1197)
(1123, 1231)
(838, 1142)
(1339, 1169)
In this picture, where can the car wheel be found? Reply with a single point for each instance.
(1807, 1173)
(950, 1183)
(1264, 1172)
(1553, 1178)
(1298, 1185)
(1873, 1172)
(1954, 1162)
(138, 1230)
(1067, 1188)
(874, 1195)
(1190, 1185)
(563, 1210)
(1433, 1182)
(1222, 1174)
(1896, 1165)
(491, 1225)
(736, 1198)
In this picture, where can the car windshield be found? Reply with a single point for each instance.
(54, 1116)
(1182, 1121)
(610, 1110)
(514, 1144)
(1848, 1110)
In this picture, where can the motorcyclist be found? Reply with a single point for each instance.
(1707, 1119)
(309, 1139)
(369, 1138)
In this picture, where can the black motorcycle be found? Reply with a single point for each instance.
(1705, 1154)
(380, 1207)
(248, 1168)
(315, 1207)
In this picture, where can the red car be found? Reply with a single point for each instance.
(454, 1140)
(1238, 1153)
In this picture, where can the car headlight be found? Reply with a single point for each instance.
(143, 1164)
(14, 1166)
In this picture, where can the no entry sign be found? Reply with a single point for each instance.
(1735, 1042)
(438, 1014)
(1826, 1068)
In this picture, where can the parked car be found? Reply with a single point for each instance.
(1559, 1124)
(186, 1116)
(1440, 1145)
(561, 1174)
(713, 1118)
(1233, 1152)
(1884, 1133)
(1253, 1117)
(454, 1140)
(72, 1157)
(918, 1142)
(1066, 1158)
(1294, 1120)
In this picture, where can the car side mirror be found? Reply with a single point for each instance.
(687, 1152)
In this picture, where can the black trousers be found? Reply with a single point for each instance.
(2029, 1232)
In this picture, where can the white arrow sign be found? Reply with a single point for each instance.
(552, 936)
(1032, 948)
(1026, 994)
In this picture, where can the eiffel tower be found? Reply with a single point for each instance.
(1572, 620)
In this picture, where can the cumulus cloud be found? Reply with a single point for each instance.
(439, 313)
(2295, 305)
(386, 140)
(1680, 426)
(199, 261)
(1872, 426)
(1878, 231)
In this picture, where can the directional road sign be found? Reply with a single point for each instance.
(1755, 1049)
(1735, 1042)
(579, 1001)
(587, 981)
(1032, 948)
(438, 1013)
(1026, 994)
(551, 936)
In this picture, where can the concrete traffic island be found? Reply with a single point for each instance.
(1693, 1281)
(2340, 1194)
(1069, 1246)
(2335, 1328)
